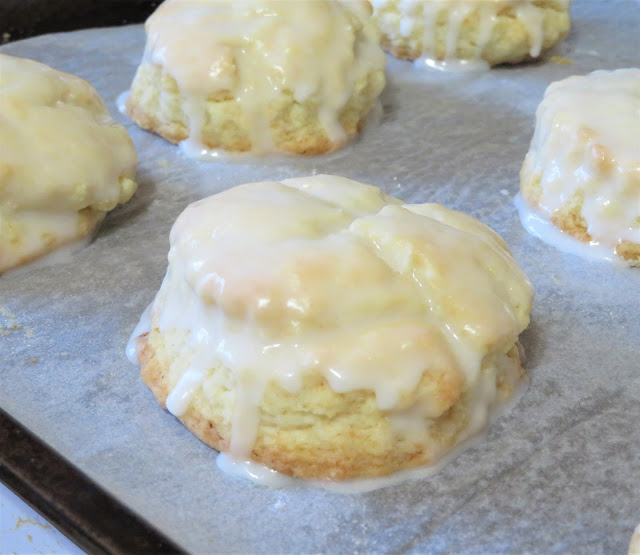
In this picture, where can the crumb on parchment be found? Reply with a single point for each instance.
(561, 60)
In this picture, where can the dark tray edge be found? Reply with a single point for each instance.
(84, 512)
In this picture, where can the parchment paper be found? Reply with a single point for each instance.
(559, 473)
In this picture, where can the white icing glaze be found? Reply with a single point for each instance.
(143, 326)
(543, 229)
(195, 151)
(180, 397)
(533, 19)
(60, 153)
(256, 50)
(426, 13)
(262, 278)
(257, 473)
(261, 475)
(121, 102)
(452, 65)
(634, 546)
(587, 138)
(198, 151)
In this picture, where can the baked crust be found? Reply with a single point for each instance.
(155, 104)
(510, 41)
(569, 217)
(319, 433)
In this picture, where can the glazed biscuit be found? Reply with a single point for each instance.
(258, 76)
(64, 163)
(482, 32)
(582, 169)
(326, 330)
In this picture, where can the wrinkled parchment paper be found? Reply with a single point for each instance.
(558, 473)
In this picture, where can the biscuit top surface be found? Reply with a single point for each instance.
(59, 148)
(587, 141)
(327, 275)
(256, 50)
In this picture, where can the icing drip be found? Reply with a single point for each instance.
(261, 475)
(432, 15)
(180, 397)
(225, 289)
(586, 145)
(143, 326)
(543, 229)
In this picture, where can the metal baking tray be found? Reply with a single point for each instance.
(560, 472)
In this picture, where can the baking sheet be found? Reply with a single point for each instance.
(558, 473)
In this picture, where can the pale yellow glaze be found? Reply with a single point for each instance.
(326, 275)
(63, 161)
